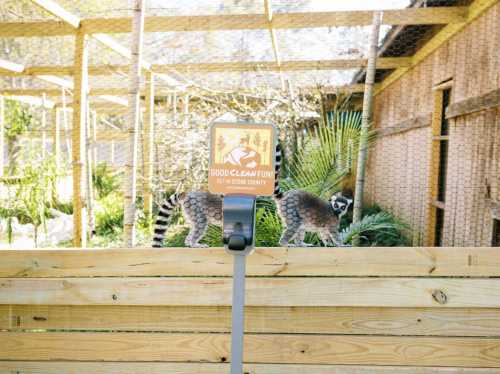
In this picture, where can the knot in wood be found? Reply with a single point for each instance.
(440, 297)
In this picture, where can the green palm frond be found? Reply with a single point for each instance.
(377, 229)
(328, 156)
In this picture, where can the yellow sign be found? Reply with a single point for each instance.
(242, 159)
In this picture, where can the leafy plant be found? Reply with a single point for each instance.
(329, 155)
(376, 229)
(109, 215)
(104, 180)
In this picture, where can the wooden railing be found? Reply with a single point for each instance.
(314, 311)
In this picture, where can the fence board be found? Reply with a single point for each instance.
(311, 320)
(260, 348)
(376, 292)
(29, 367)
(428, 262)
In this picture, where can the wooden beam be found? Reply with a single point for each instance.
(279, 262)
(474, 10)
(148, 146)
(209, 67)
(61, 82)
(407, 16)
(78, 139)
(271, 320)
(51, 367)
(259, 348)
(474, 104)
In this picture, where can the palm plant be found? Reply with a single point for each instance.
(328, 156)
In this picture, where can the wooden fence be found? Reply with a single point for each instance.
(315, 311)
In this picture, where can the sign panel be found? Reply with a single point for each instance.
(242, 159)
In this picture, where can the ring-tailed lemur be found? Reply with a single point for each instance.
(200, 209)
(300, 211)
(303, 212)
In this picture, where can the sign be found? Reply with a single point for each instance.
(242, 159)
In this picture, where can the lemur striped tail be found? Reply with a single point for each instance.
(161, 223)
(278, 194)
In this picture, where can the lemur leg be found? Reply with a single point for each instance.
(291, 231)
(301, 235)
(326, 238)
(196, 233)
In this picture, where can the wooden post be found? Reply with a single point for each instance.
(133, 124)
(147, 147)
(88, 168)
(2, 134)
(366, 120)
(112, 152)
(56, 140)
(44, 125)
(78, 138)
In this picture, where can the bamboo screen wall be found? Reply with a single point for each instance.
(399, 173)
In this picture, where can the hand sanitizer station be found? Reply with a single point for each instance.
(242, 167)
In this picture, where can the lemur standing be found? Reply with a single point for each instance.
(300, 211)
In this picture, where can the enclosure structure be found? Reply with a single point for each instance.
(437, 160)
(94, 82)
(368, 310)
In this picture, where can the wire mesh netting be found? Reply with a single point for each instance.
(67, 113)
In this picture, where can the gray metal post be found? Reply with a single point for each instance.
(238, 313)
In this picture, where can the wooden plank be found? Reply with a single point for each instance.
(359, 292)
(476, 9)
(416, 262)
(407, 125)
(35, 29)
(487, 101)
(32, 367)
(309, 320)
(260, 348)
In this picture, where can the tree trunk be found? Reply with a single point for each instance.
(366, 121)
(130, 179)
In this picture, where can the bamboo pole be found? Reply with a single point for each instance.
(56, 140)
(78, 139)
(130, 179)
(366, 120)
(2, 135)
(148, 140)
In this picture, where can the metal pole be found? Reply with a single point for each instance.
(238, 313)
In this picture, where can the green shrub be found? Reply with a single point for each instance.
(109, 215)
(104, 180)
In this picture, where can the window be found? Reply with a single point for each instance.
(495, 242)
